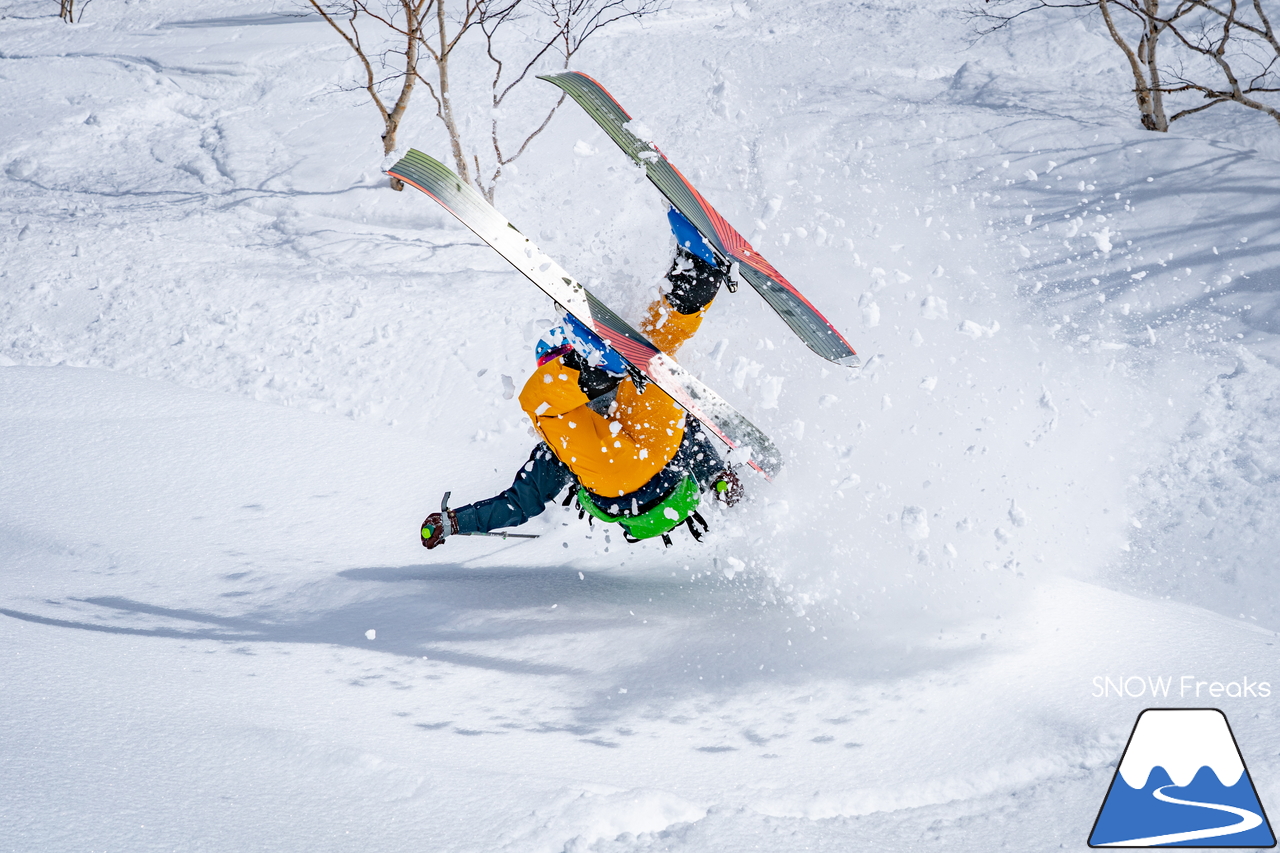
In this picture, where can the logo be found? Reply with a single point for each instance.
(1181, 783)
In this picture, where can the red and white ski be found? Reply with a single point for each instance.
(798, 313)
(472, 210)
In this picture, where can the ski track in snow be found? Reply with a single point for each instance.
(236, 371)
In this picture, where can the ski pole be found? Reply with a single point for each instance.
(444, 512)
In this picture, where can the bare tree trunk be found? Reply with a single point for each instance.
(392, 119)
(67, 10)
(1150, 103)
(351, 12)
(445, 98)
(1150, 41)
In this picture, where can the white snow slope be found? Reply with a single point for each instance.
(236, 371)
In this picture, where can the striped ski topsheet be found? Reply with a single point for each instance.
(798, 313)
(472, 210)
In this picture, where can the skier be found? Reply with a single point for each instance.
(626, 444)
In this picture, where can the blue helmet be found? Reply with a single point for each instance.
(572, 334)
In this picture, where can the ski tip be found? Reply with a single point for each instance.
(561, 75)
(767, 473)
(850, 360)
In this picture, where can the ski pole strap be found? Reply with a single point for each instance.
(446, 523)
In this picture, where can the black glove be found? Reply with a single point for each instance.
(727, 487)
(433, 529)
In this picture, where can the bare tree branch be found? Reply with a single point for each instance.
(1224, 50)
(346, 18)
(564, 25)
(1137, 34)
(1224, 39)
(994, 21)
(419, 41)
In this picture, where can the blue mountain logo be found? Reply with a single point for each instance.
(1182, 783)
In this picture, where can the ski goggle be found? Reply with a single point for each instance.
(547, 353)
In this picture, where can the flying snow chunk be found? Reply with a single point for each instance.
(640, 130)
(771, 388)
(976, 330)
(371, 634)
(1102, 239)
(933, 308)
(915, 522)
(870, 311)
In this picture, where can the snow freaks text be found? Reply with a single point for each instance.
(1183, 687)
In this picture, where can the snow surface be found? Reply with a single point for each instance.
(236, 371)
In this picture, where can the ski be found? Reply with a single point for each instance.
(472, 210)
(798, 313)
